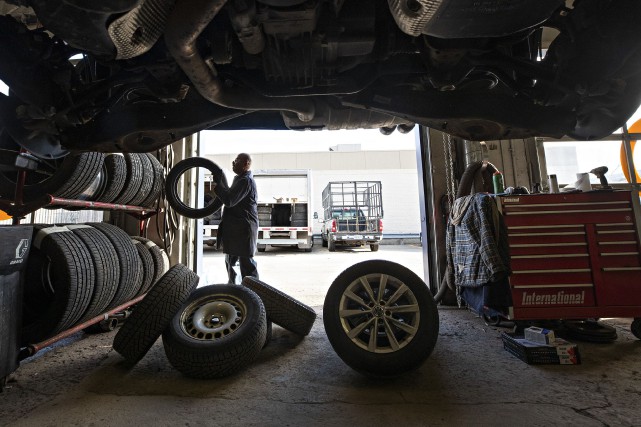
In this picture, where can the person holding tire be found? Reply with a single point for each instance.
(238, 230)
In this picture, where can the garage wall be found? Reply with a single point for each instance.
(395, 169)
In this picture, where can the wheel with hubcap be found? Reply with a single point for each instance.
(381, 318)
(217, 332)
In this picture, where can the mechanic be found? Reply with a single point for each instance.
(238, 229)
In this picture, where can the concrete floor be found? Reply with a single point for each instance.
(468, 380)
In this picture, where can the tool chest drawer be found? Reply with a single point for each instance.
(573, 252)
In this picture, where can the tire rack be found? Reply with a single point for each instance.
(18, 209)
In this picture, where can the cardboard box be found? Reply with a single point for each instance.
(560, 352)
(539, 335)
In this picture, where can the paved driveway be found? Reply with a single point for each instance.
(306, 276)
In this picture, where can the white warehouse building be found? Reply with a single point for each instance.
(396, 169)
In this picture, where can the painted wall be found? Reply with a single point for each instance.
(395, 169)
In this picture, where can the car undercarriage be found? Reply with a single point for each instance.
(136, 75)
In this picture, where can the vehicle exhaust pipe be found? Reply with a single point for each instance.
(187, 21)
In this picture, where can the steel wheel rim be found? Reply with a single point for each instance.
(213, 318)
(381, 303)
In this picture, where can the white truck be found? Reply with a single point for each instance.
(284, 208)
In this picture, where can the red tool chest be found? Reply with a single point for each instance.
(574, 255)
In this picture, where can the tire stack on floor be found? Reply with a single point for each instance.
(77, 272)
(210, 332)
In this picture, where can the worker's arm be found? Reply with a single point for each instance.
(231, 196)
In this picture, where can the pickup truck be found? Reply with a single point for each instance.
(353, 214)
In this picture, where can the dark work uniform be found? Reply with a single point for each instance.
(238, 229)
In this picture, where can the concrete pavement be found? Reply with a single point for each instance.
(468, 380)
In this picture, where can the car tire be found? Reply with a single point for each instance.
(130, 279)
(107, 269)
(268, 334)
(116, 176)
(282, 309)
(147, 180)
(151, 316)
(331, 245)
(218, 331)
(59, 282)
(156, 254)
(374, 247)
(147, 263)
(173, 178)
(158, 182)
(67, 179)
(133, 179)
(588, 330)
(405, 311)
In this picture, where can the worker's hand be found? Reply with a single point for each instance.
(211, 192)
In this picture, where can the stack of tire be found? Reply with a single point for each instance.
(299, 215)
(210, 332)
(129, 179)
(132, 179)
(264, 215)
(77, 272)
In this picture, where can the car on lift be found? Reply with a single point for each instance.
(136, 75)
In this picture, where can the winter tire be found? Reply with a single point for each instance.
(107, 269)
(116, 175)
(59, 283)
(130, 279)
(173, 178)
(268, 334)
(282, 309)
(217, 332)
(153, 314)
(380, 318)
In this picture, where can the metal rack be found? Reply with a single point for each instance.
(17, 209)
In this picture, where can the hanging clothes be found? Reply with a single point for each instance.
(477, 241)
(478, 252)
